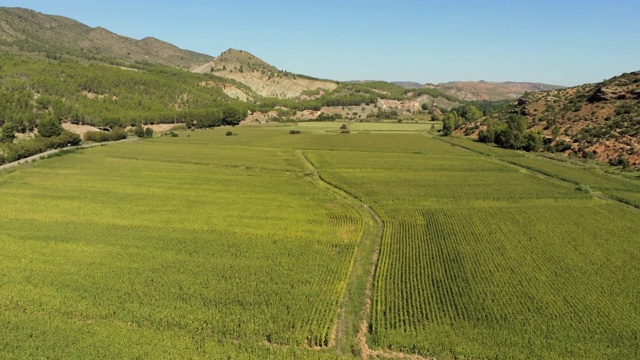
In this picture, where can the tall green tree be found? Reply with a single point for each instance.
(471, 113)
(49, 127)
(449, 123)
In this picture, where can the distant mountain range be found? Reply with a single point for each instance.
(482, 90)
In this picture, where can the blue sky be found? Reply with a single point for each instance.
(561, 42)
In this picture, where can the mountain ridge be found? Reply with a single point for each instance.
(25, 31)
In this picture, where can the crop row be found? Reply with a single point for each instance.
(513, 268)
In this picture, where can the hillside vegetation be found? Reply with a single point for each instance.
(99, 94)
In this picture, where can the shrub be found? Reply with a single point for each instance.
(619, 161)
(562, 145)
(294, 132)
(67, 138)
(343, 127)
(40, 144)
(138, 130)
(588, 154)
(229, 133)
(148, 132)
(101, 136)
(584, 188)
(8, 131)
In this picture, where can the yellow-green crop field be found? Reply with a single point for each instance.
(213, 246)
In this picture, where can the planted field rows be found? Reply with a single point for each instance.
(481, 259)
(513, 278)
(615, 186)
(152, 249)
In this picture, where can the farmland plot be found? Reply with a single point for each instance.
(170, 250)
(481, 259)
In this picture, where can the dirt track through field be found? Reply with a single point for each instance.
(355, 307)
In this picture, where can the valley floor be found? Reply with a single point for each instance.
(383, 242)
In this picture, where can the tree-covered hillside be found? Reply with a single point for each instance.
(104, 95)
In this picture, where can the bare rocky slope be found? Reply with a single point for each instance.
(264, 79)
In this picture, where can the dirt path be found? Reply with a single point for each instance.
(349, 335)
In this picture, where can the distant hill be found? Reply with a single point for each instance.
(25, 31)
(491, 91)
(264, 79)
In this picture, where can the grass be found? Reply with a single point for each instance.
(208, 246)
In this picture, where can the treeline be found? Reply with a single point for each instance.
(510, 133)
(458, 117)
(487, 108)
(347, 94)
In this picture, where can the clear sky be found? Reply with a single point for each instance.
(564, 42)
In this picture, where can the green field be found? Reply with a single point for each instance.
(214, 246)
(169, 248)
(482, 259)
